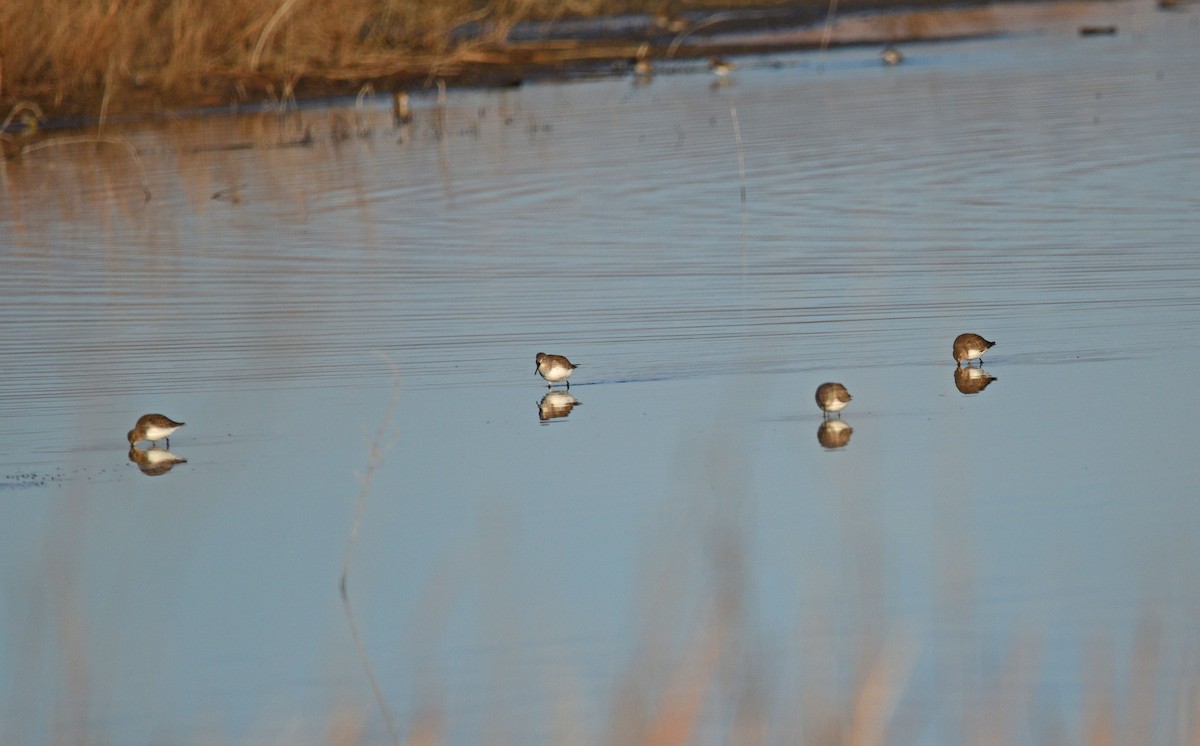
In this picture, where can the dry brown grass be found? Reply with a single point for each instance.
(107, 57)
(70, 55)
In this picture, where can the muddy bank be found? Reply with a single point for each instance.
(609, 46)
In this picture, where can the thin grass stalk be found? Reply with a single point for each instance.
(108, 79)
(827, 32)
(375, 455)
(714, 18)
(280, 13)
(737, 136)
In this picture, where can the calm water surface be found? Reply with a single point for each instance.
(1006, 561)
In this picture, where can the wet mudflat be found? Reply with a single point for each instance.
(345, 313)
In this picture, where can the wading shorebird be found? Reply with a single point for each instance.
(969, 347)
(554, 368)
(401, 112)
(665, 20)
(720, 67)
(832, 397)
(153, 427)
(643, 68)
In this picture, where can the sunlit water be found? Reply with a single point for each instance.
(521, 569)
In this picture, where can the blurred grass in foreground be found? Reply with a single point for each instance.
(701, 671)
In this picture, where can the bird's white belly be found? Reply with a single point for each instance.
(556, 372)
(836, 405)
(158, 433)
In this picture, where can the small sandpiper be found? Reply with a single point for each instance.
(401, 113)
(832, 397)
(153, 427)
(720, 67)
(554, 368)
(643, 68)
(969, 347)
(891, 56)
(665, 20)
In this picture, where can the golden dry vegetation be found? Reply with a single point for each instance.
(85, 56)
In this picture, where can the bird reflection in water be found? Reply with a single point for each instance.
(154, 461)
(969, 379)
(834, 434)
(555, 404)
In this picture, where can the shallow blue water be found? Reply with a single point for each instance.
(521, 575)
